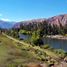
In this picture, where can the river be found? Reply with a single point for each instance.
(55, 43)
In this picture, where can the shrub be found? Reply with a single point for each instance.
(46, 46)
(60, 52)
(65, 35)
(36, 39)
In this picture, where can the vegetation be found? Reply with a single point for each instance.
(13, 53)
(37, 31)
(60, 52)
(36, 38)
(45, 28)
(46, 46)
(24, 32)
(65, 35)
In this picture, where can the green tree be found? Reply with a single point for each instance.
(36, 39)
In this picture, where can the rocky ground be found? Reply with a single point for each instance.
(57, 37)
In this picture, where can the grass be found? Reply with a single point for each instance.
(11, 53)
(14, 52)
(65, 35)
(28, 46)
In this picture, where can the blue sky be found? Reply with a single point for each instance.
(18, 10)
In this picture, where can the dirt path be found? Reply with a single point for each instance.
(48, 52)
(15, 39)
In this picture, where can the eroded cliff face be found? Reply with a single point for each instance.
(60, 20)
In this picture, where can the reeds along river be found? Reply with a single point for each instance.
(55, 43)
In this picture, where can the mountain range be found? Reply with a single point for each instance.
(56, 20)
(6, 24)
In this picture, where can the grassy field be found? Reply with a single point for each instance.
(14, 53)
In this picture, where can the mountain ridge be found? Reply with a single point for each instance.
(56, 20)
(6, 24)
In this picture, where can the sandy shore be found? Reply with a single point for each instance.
(57, 37)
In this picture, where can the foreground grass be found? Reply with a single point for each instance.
(10, 52)
(14, 52)
(48, 52)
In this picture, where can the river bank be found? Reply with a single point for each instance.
(57, 37)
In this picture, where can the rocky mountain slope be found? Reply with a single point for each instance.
(61, 19)
(56, 20)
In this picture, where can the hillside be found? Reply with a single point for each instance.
(57, 20)
(6, 24)
(60, 19)
(51, 26)
(16, 53)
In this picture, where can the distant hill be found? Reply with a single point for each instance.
(56, 20)
(6, 24)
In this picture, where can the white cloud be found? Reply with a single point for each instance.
(5, 19)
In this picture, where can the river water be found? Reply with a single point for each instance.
(55, 43)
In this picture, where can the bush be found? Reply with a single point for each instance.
(46, 46)
(60, 52)
(36, 39)
(25, 32)
(37, 42)
(65, 35)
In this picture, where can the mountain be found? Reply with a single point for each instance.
(6, 24)
(56, 20)
(29, 22)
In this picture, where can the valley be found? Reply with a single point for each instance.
(37, 42)
(33, 33)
